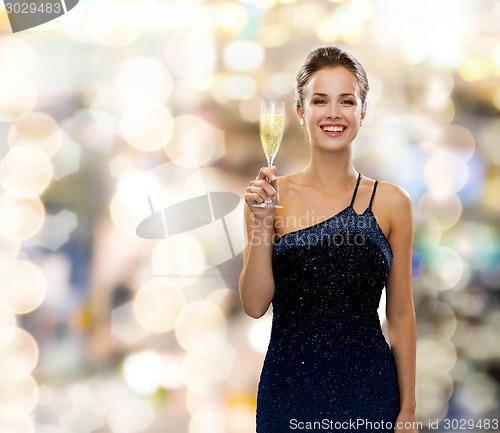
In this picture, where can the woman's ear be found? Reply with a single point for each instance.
(363, 114)
(300, 115)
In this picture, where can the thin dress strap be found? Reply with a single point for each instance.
(355, 189)
(373, 194)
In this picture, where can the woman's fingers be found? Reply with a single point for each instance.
(273, 178)
(260, 188)
(263, 186)
(266, 179)
(267, 173)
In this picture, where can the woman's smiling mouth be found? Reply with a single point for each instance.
(333, 129)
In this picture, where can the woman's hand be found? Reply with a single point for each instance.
(406, 423)
(262, 187)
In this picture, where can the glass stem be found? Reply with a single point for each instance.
(268, 201)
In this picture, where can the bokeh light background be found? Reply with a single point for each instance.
(104, 331)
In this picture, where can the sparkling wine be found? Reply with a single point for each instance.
(272, 126)
(271, 133)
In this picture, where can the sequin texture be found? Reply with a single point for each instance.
(328, 366)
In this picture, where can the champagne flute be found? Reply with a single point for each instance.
(271, 125)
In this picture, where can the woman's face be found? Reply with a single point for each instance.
(332, 108)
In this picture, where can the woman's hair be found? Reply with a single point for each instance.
(330, 57)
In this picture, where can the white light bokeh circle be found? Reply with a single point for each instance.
(25, 171)
(240, 87)
(142, 371)
(144, 78)
(195, 136)
(23, 286)
(243, 56)
(189, 254)
(194, 400)
(447, 264)
(207, 419)
(16, 99)
(264, 4)
(231, 16)
(446, 210)
(433, 389)
(431, 85)
(114, 26)
(458, 140)
(432, 121)
(157, 306)
(489, 140)
(131, 415)
(147, 126)
(17, 92)
(171, 377)
(131, 187)
(436, 319)
(163, 259)
(125, 217)
(200, 325)
(478, 392)
(19, 356)
(280, 84)
(221, 297)
(180, 255)
(249, 109)
(7, 65)
(38, 129)
(21, 218)
(9, 250)
(274, 35)
(228, 87)
(427, 229)
(435, 355)
(199, 61)
(18, 398)
(24, 424)
(203, 370)
(445, 173)
(259, 334)
(8, 324)
(18, 59)
(476, 68)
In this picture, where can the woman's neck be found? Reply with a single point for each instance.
(329, 171)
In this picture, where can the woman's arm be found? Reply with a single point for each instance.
(256, 279)
(400, 311)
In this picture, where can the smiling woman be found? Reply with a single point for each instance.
(327, 357)
(334, 103)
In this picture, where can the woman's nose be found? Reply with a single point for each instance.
(333, 112)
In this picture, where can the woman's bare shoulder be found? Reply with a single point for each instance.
(393, 193)
(394, 198)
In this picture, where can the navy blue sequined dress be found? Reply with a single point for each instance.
(328, 366)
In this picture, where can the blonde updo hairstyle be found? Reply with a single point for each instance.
(330, 57)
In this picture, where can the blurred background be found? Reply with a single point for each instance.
(120, 109)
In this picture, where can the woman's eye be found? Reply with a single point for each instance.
(320, 101)
(347, 102)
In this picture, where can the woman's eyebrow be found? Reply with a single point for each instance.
(323, 95)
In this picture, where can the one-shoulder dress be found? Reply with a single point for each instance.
(328, 367)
